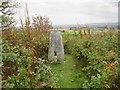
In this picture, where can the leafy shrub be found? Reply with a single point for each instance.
(24, 70)
(24, 57)
(98, 58)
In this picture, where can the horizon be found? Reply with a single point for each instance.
(91, 25)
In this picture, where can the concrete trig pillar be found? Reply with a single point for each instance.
(56, 49)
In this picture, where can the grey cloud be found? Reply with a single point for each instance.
(65, 11)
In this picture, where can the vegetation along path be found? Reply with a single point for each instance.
(67, 73)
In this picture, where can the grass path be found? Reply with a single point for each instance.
(67, 73)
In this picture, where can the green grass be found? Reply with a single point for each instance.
(67, 73)
(70, 33)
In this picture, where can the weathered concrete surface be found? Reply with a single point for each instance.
(56, 49)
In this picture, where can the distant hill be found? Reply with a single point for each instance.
(90, 25)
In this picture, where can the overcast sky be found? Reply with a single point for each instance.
(72, 11)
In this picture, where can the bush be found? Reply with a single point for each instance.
(98, 58)
(24, 69)
(24, 56)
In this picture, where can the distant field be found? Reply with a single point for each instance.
(91, 31)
